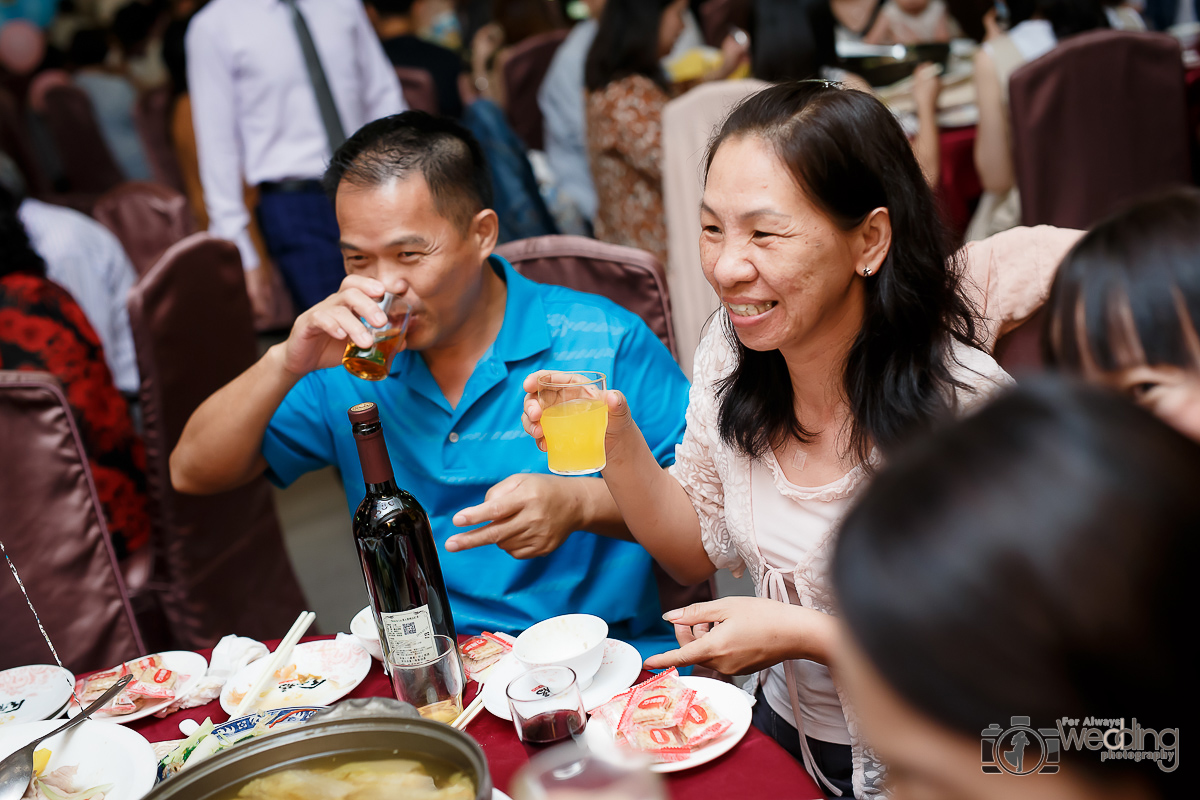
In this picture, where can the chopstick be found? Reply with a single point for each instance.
(277, 660)
(470, 712)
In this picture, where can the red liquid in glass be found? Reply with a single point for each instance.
(552, 726)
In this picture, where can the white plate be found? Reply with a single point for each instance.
(728, 700)
(104, 754)
(341, 664)
(499, 795)
(182, 662)
(620, 668)
(33, 693)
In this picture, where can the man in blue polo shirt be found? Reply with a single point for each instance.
(413, 203)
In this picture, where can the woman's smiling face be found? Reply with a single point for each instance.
(786, 274)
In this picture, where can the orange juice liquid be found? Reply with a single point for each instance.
(575, 436)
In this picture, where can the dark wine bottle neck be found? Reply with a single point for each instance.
(373, 455)
(386, 488)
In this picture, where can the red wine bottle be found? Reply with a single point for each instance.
(399, 558)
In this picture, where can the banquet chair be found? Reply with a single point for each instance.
(419, 90)
(632, 279)
(220, 564)
(152, 115)
(1097, 122)
(629, 277)
(147, 218)
(524, 71)
(1019, 351)
(688, 122)
(87, 162)
(55, 533)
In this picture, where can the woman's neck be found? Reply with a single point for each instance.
(817, 366)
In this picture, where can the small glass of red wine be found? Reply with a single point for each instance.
(546, 705)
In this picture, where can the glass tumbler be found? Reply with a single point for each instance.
(373, 363)
(574, 421)
(546, 705)
(434, 687)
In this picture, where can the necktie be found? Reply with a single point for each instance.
(316, 75)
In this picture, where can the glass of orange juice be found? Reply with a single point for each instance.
(574, 420)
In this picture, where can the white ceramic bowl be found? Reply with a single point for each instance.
(572, 640)
(363, 628)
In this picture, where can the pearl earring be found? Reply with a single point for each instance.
(866, 272)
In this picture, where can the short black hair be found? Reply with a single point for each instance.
(392, 8)
(1031, 559)
(1135, 279)
(444, 152)
(88, 47)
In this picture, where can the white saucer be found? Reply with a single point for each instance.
(620, 668)
(34, 693)
(728, 700)
(184, 663)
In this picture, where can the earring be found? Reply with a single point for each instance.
(866, 272)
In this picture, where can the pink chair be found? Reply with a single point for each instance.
(220, 563)
(1097, 122)
(629, 277)
(55, 534)
(524, 71)
(419, 90)
(147, 217)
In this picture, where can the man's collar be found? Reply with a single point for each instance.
(523, 332)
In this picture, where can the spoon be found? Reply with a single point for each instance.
(17, 770)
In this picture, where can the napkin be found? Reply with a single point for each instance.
(230, 655)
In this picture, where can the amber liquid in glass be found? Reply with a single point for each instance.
(374, 363)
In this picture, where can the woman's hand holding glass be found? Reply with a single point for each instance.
(536, 402)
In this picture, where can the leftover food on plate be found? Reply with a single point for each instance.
(152, 683)
(663, 718)
(59, 784)
(399, 778)
(289, 687)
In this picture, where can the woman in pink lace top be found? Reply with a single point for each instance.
(844, 331)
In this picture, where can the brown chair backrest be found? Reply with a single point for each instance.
(147, 217)
(524, 71)
(1097, 122)
(1019, 351)
(631, 278)
(153, 118)
(87, 162)
(220, 562)
(54, 531)
(420, 92)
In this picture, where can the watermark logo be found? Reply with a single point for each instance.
(1020, 749)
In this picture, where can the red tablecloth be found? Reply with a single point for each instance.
(755, 767)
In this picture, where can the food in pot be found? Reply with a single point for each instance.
(393, 778)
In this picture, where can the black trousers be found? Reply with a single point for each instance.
(834, 760)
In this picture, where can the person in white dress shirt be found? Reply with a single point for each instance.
(258, 119)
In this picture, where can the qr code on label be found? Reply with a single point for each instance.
(410, 629)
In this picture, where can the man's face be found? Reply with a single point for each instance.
(394, 233)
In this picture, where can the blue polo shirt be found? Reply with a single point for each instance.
(449, 457)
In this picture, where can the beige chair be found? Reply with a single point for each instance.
(220, 563)
(688, 123)
(54, 531)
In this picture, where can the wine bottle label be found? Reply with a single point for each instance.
(410, 636)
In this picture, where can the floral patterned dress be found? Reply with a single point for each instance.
(624, 126)
(43, 329)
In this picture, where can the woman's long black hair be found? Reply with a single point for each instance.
(849, 156)
(1033, 559)
(1131, 284)
(626, 43)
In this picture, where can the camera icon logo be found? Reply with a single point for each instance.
(1020, 749)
